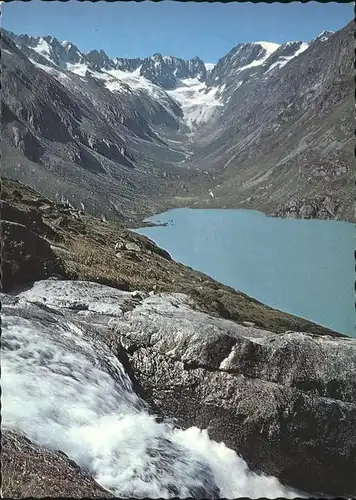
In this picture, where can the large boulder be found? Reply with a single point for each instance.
(26, 256)
(31, 218)
(285, 402)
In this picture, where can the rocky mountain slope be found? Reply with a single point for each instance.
(73, 139)
(78, 285)
(283, 141)
(269, 127)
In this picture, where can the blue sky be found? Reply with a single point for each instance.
(130, 29)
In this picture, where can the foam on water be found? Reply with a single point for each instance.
(68, 392)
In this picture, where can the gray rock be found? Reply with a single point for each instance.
(285, 402)
(306, 212)
(248, 323)
(31, 470)
(26, 256)
(138, 295)
(134, 247)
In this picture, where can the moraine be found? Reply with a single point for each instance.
(303, 267)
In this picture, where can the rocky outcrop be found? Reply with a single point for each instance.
(318, 207)
(285, 402)
(26, 256)
(29, 470)
(29, 217)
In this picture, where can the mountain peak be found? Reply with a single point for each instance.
(324, 35)
(269, 47)
(98, 60)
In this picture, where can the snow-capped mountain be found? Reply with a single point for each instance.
(49, 51)
(248, 60)
(144, 124)
(197, 89)
(157, 79)
(284, 54)
(165, 71)
(190, 92)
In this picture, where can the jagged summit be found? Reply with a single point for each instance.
(245, 59)
(284, 54)
(99, 60)
(165, 71)
(324, 35)
(49, 50)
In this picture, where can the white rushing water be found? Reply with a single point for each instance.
(66, 391)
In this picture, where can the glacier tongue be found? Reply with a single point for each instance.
(198, 102)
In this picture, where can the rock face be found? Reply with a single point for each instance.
(29, 470)
(26, 256)
(242, 61)
(319, 207)
(75, 396)
(285, 402)
(287, 122)
(166, 71)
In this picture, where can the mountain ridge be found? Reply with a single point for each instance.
(62, 52)
(174, 125)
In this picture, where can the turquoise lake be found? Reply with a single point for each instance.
(304, 267)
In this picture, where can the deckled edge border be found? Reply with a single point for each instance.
(195, 1)
(2, 2)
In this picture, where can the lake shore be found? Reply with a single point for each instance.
(296, 265)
